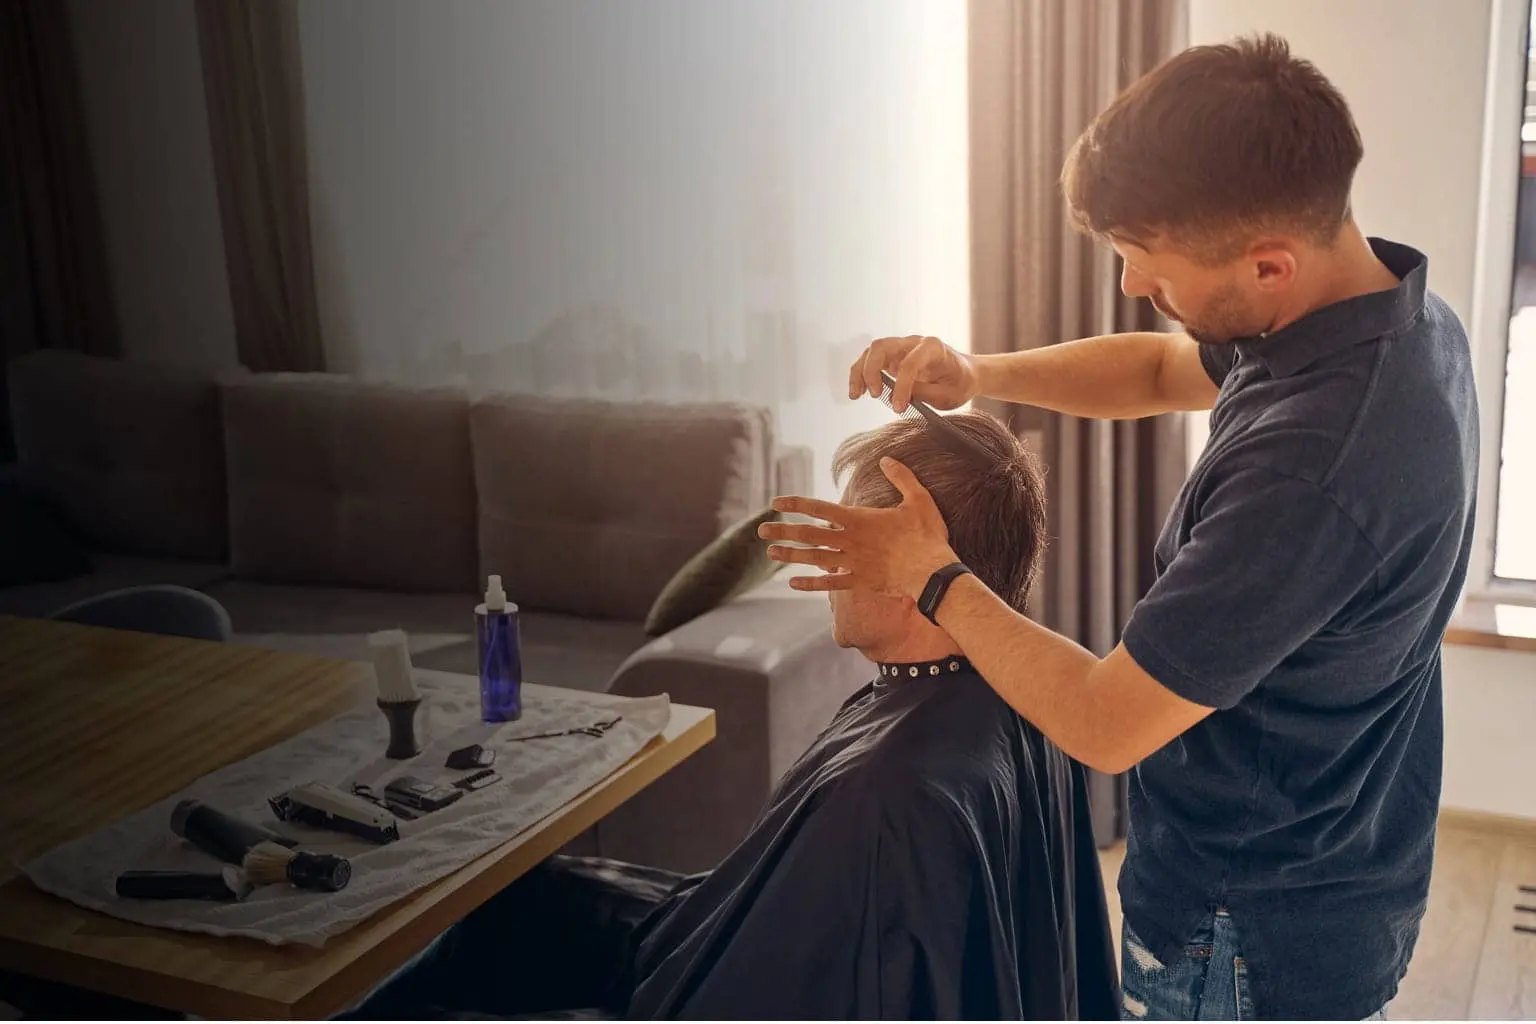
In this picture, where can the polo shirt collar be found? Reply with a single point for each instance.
(1344, 324)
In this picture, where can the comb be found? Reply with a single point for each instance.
(956, 440)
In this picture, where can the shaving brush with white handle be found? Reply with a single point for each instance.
(269, 864)
(398, 696)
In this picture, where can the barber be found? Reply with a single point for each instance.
(1277, 693)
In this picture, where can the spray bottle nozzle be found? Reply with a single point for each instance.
(495, 597)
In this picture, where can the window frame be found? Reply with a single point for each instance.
(1493, 279)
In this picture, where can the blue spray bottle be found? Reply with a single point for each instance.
(501, 659)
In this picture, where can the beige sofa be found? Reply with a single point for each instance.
(319, 508)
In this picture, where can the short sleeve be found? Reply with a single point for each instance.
(1218, 360)
(1271, 561)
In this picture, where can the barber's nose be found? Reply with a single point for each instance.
(1135, 285)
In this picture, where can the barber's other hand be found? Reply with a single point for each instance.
(924, 368)
(889, 551)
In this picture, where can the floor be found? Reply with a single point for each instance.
(1471, 963)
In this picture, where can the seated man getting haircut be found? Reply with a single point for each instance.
(929, 856)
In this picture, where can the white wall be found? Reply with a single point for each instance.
(141, 82)
(1490, 709)
(656, 198)
(1413, 72)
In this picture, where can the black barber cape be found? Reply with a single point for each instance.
(929, 856)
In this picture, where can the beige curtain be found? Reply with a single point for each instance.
(254, 88)
(55, 289)
(1040, 70)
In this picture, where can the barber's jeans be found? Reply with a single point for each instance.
(1209, 982)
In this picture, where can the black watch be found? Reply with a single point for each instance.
(938, 585)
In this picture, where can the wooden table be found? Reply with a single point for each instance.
(100, 723)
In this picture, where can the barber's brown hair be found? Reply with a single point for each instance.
(1215, 147)
(996, 515)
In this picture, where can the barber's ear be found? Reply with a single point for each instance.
(1274, 267)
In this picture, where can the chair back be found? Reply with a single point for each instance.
(157, 608)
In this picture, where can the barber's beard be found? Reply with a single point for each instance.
(1224, 319)
(1168, 312)
(1206, 337)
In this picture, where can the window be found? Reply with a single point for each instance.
(1503, 324)
(1514, 535)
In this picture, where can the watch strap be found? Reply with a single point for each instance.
(938, 585)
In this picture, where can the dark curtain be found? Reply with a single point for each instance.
(1040, 70)
(55, 290)
(254, 87)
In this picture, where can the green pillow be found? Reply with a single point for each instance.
(733, 563)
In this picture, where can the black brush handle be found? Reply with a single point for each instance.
(174, 885)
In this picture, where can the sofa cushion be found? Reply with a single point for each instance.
(590, 507)
(334, 622)
(349, 483)
(129, 452)
(110, 572)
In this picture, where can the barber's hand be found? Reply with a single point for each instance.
(924, 368)
(886, 550)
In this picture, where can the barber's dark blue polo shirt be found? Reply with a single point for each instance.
(1305, 578)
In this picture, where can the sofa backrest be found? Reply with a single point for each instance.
(131, 453)
(590, 507)
(339, 481)
(584, 507)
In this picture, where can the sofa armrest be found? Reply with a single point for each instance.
(766, 663)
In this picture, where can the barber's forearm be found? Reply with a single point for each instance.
(1042, 675)
(1117, 376)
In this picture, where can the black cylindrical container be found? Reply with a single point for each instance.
(224, 836)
